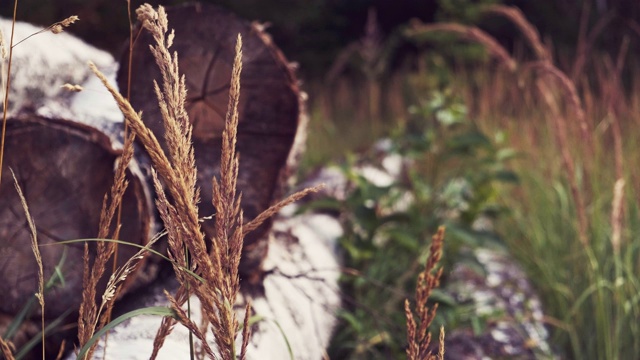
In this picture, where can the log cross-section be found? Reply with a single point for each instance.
(64, 170)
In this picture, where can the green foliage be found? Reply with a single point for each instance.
(450, 174)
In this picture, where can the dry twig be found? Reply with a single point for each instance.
(36, 253)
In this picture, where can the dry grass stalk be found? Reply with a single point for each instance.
(570, 96)
(472, 34)
(582, 45)
(59, 27)
(117, 191)
(89, 310)
(441, 344)
(7, 349)
(179, 177)
(166, 327)
(200, 351)
(615, 103)
(227, 244)
(61, 352)
(528, 30)
(117, 278)
(585, 41)
(189, 324)
(218, 285)
(545, 64)
(5, 103)
(36, 253)
(179, 174)
(560, 132)
(617, 210)
(145, 136)
(246, 331)
(255, 223)
(55, 28)
(418, 337)
(178, 255)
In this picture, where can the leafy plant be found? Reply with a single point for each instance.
(435, 169)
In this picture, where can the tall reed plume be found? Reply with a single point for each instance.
(94, 316)
(216, 281)
(418, 337)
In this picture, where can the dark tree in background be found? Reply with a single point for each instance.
(561, 18)
(311, 32)
(314, 32)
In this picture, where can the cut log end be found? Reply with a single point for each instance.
(64, 170)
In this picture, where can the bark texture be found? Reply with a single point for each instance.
(64, 170)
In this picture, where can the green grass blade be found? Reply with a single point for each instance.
(154, 310)
(199, 278)
(19, 318)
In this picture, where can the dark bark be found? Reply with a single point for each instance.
(64, 170)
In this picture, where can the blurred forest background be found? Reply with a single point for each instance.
(339, 55)
(314, 32)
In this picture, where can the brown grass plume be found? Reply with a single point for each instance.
(418, 336)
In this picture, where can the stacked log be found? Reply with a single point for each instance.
(269, 108)
(64, 170)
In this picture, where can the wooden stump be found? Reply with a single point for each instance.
(269, 108)
(64, 170)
